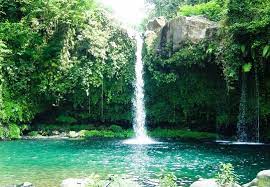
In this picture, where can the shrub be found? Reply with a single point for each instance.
(2, 132)
(226, 175)
(14, 131)
(66, 119)
(168, 180)
(212, 10)
(115, 128)
(33, 133)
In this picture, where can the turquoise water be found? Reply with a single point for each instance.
(46, 163)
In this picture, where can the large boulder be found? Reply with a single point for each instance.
(182, 29)
(156, 24)
(73, 134)
(205, 183)
(262, 180)
(210, 183)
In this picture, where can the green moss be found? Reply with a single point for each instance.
(116, 128)
(108, 134)
(185, 134)
(14, 132)
(33, 133)
(264, 182)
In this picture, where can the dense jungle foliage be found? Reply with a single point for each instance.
(62, 61)
(200, 85)
(68, 62)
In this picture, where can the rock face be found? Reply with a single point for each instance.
(262, 180)
(156, 24)
(179, 30)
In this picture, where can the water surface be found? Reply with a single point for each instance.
(46, 163)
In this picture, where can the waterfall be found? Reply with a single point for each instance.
(242, 118)
(141, 136)
(258, 105)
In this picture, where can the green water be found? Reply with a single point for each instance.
(46, 163)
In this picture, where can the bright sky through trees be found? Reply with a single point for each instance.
(128, 11)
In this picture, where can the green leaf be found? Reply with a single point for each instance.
(243, 48)
(266, 50)
(247, 67)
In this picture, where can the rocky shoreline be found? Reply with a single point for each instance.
(262, 180)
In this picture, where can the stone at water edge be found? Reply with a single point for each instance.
(210, 183)
(75, 183)
(25, 184)
(73, 134)
(262, 180)
(205, 183)
(55, 133)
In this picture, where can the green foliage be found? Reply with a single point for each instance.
(14, 132)
(63, 119)
(247, 67)
(63, 57)
(108, 134)
(211, 10)
(226, 175)
(115, 128)
(2, 133)
(33, 133)
(168, 180)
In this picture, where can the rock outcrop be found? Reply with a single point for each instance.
(262, 180)
(156, 24)
(179, 30)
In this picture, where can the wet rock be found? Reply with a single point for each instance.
(55, 133)
(73, 134)
(253, 183)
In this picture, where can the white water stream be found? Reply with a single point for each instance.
(141, 136)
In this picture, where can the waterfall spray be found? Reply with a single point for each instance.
(138, 101)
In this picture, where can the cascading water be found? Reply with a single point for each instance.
(138, 101)
(242, 118)
(258, 105)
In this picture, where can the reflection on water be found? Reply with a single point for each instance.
(46, 162)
